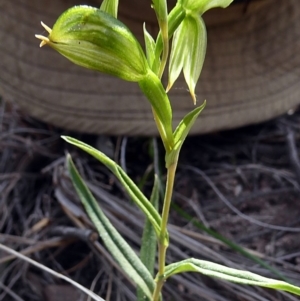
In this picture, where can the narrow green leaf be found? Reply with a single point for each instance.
(110, 7)
(196, 40)
(181, 133)
(150, 48)
(137, 196)
(149, 240)
(229, 274)
(118, 247)
(201, 6)
(228, 242)
(185, 125)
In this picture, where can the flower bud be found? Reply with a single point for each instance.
(94, 39)
(188, 52)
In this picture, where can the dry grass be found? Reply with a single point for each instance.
(238, 183)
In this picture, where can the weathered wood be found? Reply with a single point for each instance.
(251, 72)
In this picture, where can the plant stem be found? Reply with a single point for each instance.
(162, 246)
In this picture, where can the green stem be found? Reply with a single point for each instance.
(162, 246)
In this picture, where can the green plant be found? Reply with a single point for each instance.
(95, 39)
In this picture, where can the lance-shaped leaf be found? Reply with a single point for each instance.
(149, 240)
(201, 6)
(94, 39)
(181, 133)
(150, 49)
(233, 275)
(228, 242)
(149, 243)
(118, 247)
(110, 7)
(188, 52)
(137, 196)
(185, 125)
